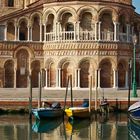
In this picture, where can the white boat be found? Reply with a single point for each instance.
(134, 111)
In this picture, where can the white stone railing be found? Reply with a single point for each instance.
(122, 37)
(71, 36)
(107, 36)
(86, 36)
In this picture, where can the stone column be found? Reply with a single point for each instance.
(46, 70)
(18, 33)
(31, 32)
(5, 33)
(115, 31)
(75, 30)
(99, 31)
(96, 78)
(128, 32)
(44, 32)
(15, 74)
(40, 32)
(78, 30)
(28, 33)
(59, 77)
(55, 31)
(78, 78)
(58, 30)
(24, 4)
(96, 24)
(115, 78)
(99, 70)
(15, 32)
(75, 77)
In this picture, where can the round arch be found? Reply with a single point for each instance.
(64, 10)
(122, 68)
(22, 72)
(47, 13)
(87, 68)
(108, 9)
(67, 68)
(106, 73)
(50, 67)
(89, 9)
(29, 50)
(35, 67)
(9, 74)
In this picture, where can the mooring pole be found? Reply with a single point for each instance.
(129, 80)
(71, 90)
(30, 96)
(40, 89)
(66, 92)
(96, 97)
(90, 93)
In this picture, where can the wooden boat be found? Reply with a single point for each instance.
(134, 111)
(47, 125)
(83, 111)
(78, 112)
(48, 112)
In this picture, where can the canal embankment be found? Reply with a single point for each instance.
(17, 100)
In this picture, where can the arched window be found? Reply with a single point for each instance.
(70, 34)
(10, 3)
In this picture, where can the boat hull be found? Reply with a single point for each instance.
(134, 111)
(42, 113)
(77, 112)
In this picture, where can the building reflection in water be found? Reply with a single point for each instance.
(13, 127)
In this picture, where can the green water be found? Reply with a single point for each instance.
(112, 127)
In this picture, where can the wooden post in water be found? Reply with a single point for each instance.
(96, 97)
(90, 93)
(66, 92)
(71, 90)
(129, 81)
(30, 96)
(40, 89)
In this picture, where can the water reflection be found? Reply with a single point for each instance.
(46, 125)
(112, 127)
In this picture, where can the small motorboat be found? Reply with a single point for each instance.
(79, 112)
(134, 111)
(53, 111)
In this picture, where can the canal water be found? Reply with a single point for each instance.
(100, 127)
